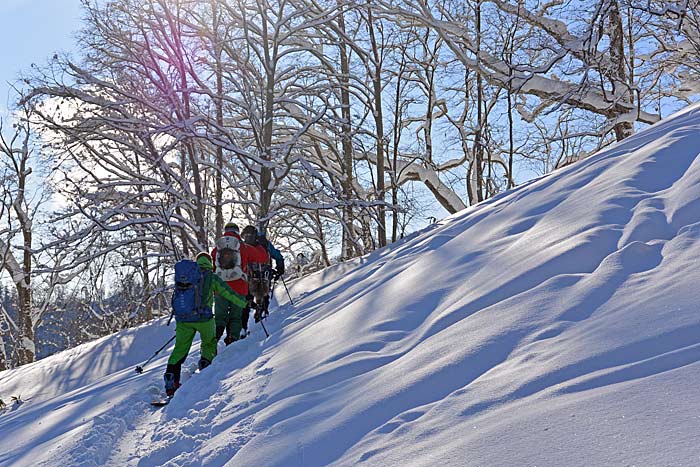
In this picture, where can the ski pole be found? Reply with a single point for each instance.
(261, 319)
(139, 368)
(285, 288)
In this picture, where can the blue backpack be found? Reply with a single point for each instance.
(189, 290)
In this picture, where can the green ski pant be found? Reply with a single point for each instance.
(184, 335)
(228, 318)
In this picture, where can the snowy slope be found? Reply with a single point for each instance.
(555, 325)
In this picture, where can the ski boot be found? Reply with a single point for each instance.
(170, 384)
(203, 362)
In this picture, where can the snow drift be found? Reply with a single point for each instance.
(554, 325)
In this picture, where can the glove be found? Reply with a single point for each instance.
(279, 272)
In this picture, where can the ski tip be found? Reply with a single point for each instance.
(160, 402)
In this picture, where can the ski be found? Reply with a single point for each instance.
(161, 402)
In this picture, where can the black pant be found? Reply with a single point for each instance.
(245, 316)
(262, 308)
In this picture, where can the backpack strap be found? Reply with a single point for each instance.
(204, 286)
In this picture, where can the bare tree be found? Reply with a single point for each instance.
(536, 75)
(21, 203)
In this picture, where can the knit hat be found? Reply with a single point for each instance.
(204, 260)
(231, 227)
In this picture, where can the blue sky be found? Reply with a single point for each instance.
(31, 32)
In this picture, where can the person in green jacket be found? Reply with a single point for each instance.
(185, 331)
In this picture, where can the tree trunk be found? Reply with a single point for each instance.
(429, 68)
(348, 241)
(26, 348)
(511, 143)
(511, 148)
(148, 309)
(395, 154)
(322, 239)
(184, 116)
(218, 181)
(198, 212)
(617, 54)
(266, 188)
(379, 124)
(3, 353)
(479, 99)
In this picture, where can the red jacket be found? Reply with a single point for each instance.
(256, 254)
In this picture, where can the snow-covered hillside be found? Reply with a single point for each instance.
(555, 325)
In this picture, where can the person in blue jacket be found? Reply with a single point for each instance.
(275, 255)
(277, 271)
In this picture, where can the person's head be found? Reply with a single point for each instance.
(204, 260)
(231, 227)
(250, 235)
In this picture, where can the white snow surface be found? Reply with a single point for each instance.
(555, 325)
